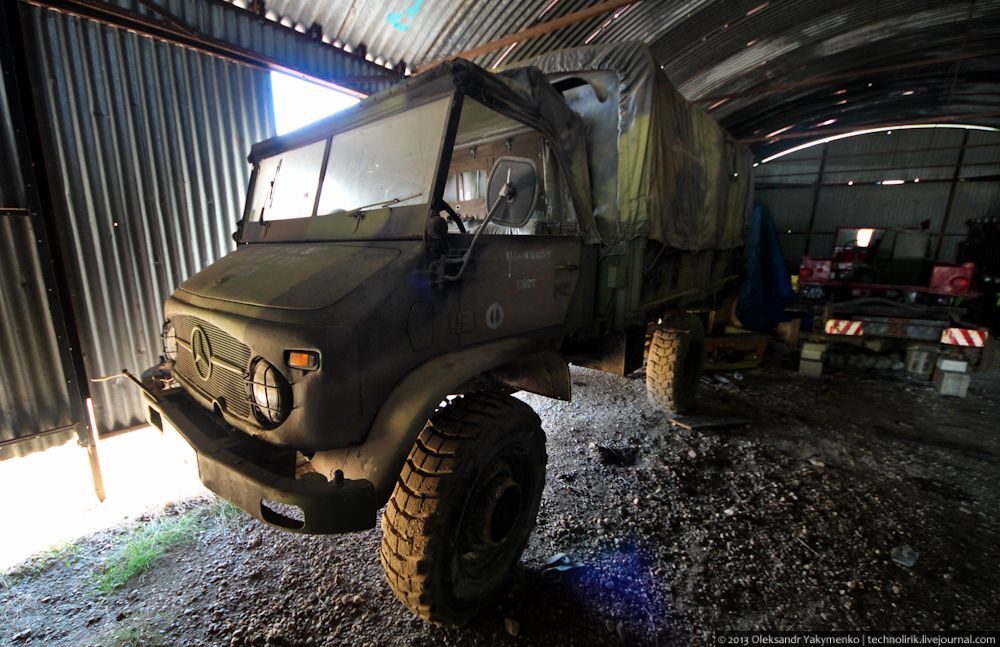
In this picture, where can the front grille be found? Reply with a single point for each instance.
(223, 384)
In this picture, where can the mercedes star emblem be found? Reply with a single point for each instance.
(202, 352)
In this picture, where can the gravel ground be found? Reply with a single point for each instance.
(787, 523)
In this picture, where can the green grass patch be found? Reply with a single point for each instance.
(227, 515)
(137, 634)
(142, 546)
(66, 554)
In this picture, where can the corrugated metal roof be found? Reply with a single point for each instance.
(924, 153)
(720, 47)
(149, 144)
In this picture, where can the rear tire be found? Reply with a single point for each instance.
(464, 506)
(673, 365)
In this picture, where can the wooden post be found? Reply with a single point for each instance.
(92, 453)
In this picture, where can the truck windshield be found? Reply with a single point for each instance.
(392, 159)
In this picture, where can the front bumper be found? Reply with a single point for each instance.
(254, 474)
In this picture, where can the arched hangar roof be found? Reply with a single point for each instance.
(768, 70)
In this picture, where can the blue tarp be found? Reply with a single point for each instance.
(766, 288)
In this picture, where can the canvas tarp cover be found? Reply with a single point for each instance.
(682, 181)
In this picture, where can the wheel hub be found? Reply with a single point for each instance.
(497, 510)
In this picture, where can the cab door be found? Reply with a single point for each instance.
(517, 284)
(521, 277)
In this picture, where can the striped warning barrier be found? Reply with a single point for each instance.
(964, 337)
(845, 327)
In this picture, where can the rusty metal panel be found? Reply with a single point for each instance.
(148, 141)
(34, 400)
(903, 328)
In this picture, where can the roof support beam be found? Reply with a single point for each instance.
(970, 117)
(845, 76)
(815, 196)
(955, 177)
(533, 32)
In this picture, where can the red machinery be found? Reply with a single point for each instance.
(882, 283)
(887, 263)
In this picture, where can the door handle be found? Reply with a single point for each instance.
(567, 267)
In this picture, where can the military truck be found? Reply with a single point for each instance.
(406, 265)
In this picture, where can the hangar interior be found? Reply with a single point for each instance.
(125, 127)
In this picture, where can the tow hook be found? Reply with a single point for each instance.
(128, 374)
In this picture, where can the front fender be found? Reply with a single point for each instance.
(402, 416)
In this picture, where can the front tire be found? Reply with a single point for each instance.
(464, 506)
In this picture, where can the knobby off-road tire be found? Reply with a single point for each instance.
(464, 506)
(673, 365)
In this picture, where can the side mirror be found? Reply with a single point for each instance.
(522, 176)
(511, 193)
(236, 232)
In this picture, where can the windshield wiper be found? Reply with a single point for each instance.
(356, 211)
(269, 198)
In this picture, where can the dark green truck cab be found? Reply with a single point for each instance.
(406, 265)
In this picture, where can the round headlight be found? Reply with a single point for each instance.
(169, 342)
(271, 394)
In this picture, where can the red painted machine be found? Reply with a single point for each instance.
(883, 284)
(887, 263)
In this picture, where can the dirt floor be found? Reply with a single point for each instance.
(790, 522)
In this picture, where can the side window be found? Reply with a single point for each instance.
(483, 137)
(465, 188)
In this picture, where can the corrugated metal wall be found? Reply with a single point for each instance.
(148, 141)
(33, 395)
(34, 400)
(225, 22)
(792, 184)
(11, 182)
